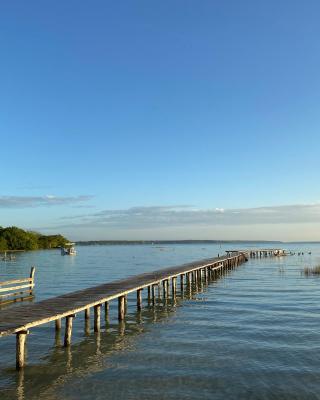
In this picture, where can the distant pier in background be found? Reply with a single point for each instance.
(259, 253)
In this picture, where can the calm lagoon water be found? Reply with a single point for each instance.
(253, 334)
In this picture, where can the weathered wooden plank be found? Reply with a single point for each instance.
(16, 287)
(13, 294)
(12, 281)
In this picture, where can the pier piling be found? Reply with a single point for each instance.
(97, 317)
(68, 330)
(20, 348)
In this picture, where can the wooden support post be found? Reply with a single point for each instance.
(58, 324)
(153, 290)
(149, 294)
(139, 299)
(159, 290)
(181, 283)
(68, 331)
(20, 348)
(106, 310)
(189, 275)
(199, 274)
(206, 275)
(87, 321)
(97, 315)
(165, 289)
(121, 308)
(174, 287)
(33, 270)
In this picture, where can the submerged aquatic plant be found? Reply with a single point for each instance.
(312, 270)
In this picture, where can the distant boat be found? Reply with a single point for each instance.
(68, 250)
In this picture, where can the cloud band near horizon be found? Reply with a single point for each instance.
(40, 201)
(160, 216)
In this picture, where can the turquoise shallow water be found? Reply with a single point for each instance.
(253, 334)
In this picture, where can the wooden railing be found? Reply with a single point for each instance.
(17, 289)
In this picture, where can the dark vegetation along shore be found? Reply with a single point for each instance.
(13, 238)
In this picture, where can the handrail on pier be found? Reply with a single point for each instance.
(11, 291)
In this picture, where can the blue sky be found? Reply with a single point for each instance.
(135, 119)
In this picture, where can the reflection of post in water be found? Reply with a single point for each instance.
(57, 339)
(20, 385)
(69, 359)
(121, 328)
(139, 319)
(87, 326)
(98, 343)
(154, 315)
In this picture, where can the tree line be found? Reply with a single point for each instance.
(14, 238)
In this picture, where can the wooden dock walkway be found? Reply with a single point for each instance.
(19, 320)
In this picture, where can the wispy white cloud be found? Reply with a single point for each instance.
(183, 215)
(40, 201)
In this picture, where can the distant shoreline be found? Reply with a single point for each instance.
(151, 242)
(162, 242)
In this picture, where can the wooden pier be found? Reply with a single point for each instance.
(19, 320)
(259, 253)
